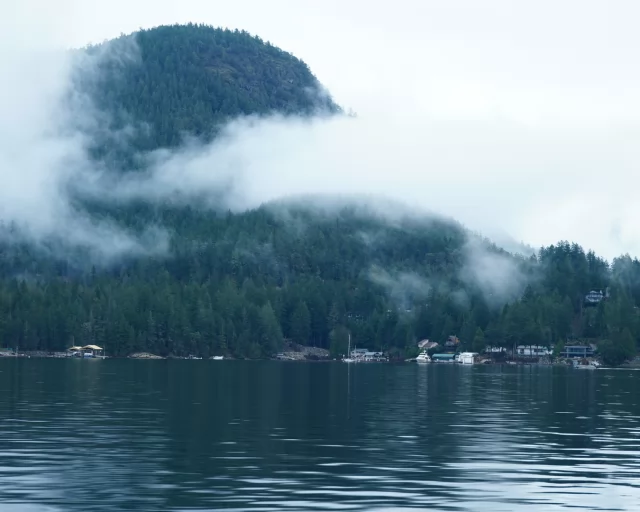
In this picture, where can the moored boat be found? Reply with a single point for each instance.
(348, 359)
(423, 357)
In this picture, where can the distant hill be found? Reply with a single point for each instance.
(240, 284)
(189, 79)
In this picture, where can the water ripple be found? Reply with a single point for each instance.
(128, 435)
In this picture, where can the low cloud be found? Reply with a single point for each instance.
(403, 288)
(530, 178)
(496, 177)
(44, 131)
(498, 275)
(484, 269)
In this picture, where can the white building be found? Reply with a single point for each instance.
(467, 357)
(532, 351)
(362, 354)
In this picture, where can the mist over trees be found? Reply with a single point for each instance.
(242, 283)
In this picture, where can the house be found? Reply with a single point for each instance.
(427, 345)
(532, 351)
(452, 342)
(581, 351)
(358, 353)
(374, 356)
(594, 297)
(363, 354)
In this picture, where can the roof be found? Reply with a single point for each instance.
(92, 347)
(443, 356)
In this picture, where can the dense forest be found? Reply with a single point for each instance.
(241, 284)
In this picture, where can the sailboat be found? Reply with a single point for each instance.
(349, 359)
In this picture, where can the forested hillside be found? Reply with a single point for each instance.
(240, 284)
(187, 80)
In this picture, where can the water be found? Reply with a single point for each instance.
(82, 435)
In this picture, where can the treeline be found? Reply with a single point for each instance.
(231, 284)
(241, 284)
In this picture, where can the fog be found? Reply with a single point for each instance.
(522, 127)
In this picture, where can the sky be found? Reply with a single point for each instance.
(519, 119)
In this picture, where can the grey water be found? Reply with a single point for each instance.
(114, 435)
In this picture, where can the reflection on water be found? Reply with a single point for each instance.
(115, 435)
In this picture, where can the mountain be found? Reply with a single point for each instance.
(188, 80)
(310, 270)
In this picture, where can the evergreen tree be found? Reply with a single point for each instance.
(301, 324)
(271, 338)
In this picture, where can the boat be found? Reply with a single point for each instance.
(217, 358)
(86, 352)
(349, 359)
(585, 365)
(423, 357)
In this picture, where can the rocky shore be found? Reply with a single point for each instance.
(144, 355)
(295, 352)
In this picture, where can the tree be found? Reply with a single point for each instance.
(558, 348)
(301, 324)
(339, 337)
(478, 341)
(270, 331)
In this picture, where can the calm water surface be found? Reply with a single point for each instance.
(263, 436)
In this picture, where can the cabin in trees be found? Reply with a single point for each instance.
(452, 342)
(595, 297)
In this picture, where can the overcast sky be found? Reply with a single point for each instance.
(516, 117)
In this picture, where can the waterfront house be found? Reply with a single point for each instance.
(467, 357)
(580, 351)
(74, 351)
(363, 354)
(358, 353)
(427, 345)
(88, 351)
(532, 351)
